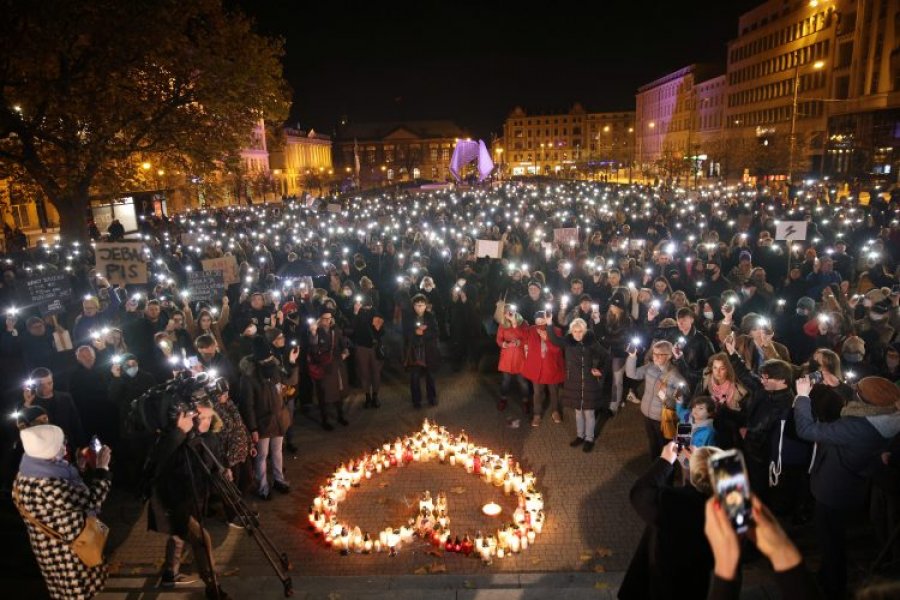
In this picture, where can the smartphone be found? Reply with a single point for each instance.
(683, 436)
(96, 445)
(815, 377)
(731, 485)
(193, 361)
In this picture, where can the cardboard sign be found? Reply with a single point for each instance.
(227, 265)
(48, 293)
(488, 248)
(191, 239)
(790, 230)
(121, 262)
(334, 208)
(208, 286)
(565, 235)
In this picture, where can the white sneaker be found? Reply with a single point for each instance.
(632, 398)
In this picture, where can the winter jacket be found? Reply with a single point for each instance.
(62, 505)
(512, 357)
(333, 387)
(673, 558)
(263, 408)
(655, 381)
(847, 453)
(544, 362)
(427, 342)
(695, 352)
(582, 390)
(763, 413)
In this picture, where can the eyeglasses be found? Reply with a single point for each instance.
(661, 354)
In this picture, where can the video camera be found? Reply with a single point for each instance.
(159, 407)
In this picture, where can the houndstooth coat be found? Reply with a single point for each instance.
(61, 506)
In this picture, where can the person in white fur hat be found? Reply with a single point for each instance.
(46, 482)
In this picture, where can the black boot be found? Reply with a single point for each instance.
(376, 403)
(368, 400)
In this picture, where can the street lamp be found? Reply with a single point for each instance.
(819, 64)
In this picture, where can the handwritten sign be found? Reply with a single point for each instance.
(488, 248)
(227, 265)
(566, 235)
(208, 286)
(121, 262)
(334, 208)
(48, 293)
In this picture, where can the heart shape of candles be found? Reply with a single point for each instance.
(432, 522)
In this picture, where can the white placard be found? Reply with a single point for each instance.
(790, 230)
(488, 248)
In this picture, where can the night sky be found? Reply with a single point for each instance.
(474, 62)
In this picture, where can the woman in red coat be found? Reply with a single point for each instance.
(511, 339)
(544, 367)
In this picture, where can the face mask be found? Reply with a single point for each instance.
(428, 288)
(708, 316)
(131, 371)
(877, 316)
(746, 291)
(802, 312)
(852, 357)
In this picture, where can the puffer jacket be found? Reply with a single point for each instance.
(582, 390)
(669, 381)
(512, 358)
(262, 406)
(544, 363)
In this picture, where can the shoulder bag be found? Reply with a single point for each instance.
(89, 544)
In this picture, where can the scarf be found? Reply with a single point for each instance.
(50, 469)
(700, 424)
(858, 408)
(722, 393)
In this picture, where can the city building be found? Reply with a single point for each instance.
(396, 151)
(303, 163)
(674, 116)
(577, 144)
(781, 70)
(863, 125)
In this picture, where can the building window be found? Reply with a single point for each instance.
(433, 153)
(416, 173)
(445, 154)
(434, 172)
(390, 174)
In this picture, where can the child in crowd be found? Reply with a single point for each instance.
(699, 413)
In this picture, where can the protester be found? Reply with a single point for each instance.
(663, 385)
(55, 502)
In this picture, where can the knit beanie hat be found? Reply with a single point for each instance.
(42, 441)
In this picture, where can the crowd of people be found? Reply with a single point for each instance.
(681, 302)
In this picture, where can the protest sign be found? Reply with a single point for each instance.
(191, 239)
(121, 262)
(565, 235)
(47, 292)
(226, 264)
(790, 230)
(207, 286)
(488, 248)
(334, 208)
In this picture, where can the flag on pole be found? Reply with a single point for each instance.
(356, 157)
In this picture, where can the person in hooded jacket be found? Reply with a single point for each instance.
(613, 332)
(776, 457)
(265, 411)
(583, 387)
(511, 339)
(422, 357)
(847, 452)
(544, 367)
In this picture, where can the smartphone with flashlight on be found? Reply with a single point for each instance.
(731, 485)
(683, 436)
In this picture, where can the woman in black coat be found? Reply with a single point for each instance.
(583, 388)
(422, 357)
(673, 558)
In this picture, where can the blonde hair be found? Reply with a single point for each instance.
(699, 468)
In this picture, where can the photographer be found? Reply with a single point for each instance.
(178, 495)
